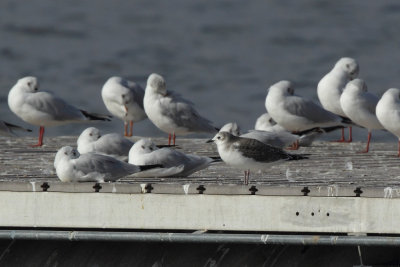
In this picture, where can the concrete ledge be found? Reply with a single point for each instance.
(200, 212)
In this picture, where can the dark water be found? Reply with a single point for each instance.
(222, 55)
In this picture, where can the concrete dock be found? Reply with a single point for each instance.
(337, 190)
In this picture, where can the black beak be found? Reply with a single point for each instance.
(209, 141)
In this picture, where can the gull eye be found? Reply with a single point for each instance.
(143, 147)
(91, 134)
(65, 153)
(219, 137)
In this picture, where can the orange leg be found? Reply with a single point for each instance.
(41, 133)
(125, 128)
(169, 139)
(131, 128)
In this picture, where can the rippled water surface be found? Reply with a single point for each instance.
(222, 55)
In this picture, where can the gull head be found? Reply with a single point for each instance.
(156, 84)
(89, 135)
(222, 138)
(65, 152)
(28, 84)
(356, 86)
(392, 93)
(349, 66)
(143, 146)
(231, 128)
(282, 88)
(264, 121)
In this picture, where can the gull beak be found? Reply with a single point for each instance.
(209, 141)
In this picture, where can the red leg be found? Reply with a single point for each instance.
(41, 133)
(368, 140)
(294, 146)
(125, 128)
(350, 135)
(174, 138)
(169, 139)
(131, 128)
(341, 140)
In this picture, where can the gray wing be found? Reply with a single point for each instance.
(260, 152)
(53, 106)
(113, 144)
(306, 108)
(113, 168)
(183, 113)
(370, 101)
(279, 139)
(136, 93)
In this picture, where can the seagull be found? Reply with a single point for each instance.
(170, 112)
(72, 167)
(145, 152)
(7, 129)
(266, 123)
(275, 139)
(359, 105)
(388, 112)
(124, 99)
(112, 144)
(44, 108)
(331, 86)
(249, 154)
(297, 114)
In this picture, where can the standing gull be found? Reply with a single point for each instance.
(359, 105)
(124, 99)
(388, 112)
(295, 113)
(7, 129)
(170, 112)
(44, 108)
(72, 167)
(331, 86)
(249, 154)
(145, 152)
(112, 144)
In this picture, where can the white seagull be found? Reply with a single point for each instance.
(276, 139)
(44, 108)
(178, 164)
(249, 154)
(112, 144)
(7, 129)
(359, 105)
(72, 167)
(295, 113)
(124, 99)
(170, 112)
(332, 84)
(388, 112)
